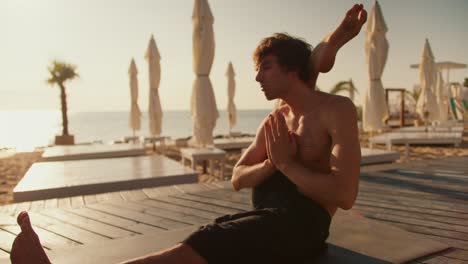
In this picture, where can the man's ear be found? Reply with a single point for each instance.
(293, 74)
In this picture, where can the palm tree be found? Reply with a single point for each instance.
(413, 95)
(62, 72)
(345, 86)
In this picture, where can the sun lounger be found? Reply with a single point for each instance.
(93, 151)
(195, 155)
(422, 138)
(233, 143)
(439, 128)
(375, 156)
(69, 178)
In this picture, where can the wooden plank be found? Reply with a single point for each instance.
(399, 190)
(7, 209)
(88, 224)
(77, 201)
(116, 221)
(426, 180)
(430, 175)
(171, 215)
(449, 191)
(161, 205)
(404, 213)
(442, 260)
(24, 206)
(426, 198)
(227, 196)
(189, 188)
(452, 207)
(6, 240)
(457, 244)
(90, 199)
(64, 203)
(131, 195)
(458, 254)
(459, 230)
(37, 205)
(198, 205)
(51, 203)
(103, 197)
(456, 239)
(223, 184)
(161, 191)
(6, 220)
(140, 217)
(437, 171)
(48, 239)
(4, 253)
(210, 186)
(66, 230)
(213, 201)
(408, 207)
(436, 178)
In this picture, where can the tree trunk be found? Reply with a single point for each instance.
(63, 100)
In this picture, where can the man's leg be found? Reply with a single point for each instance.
(27, 249)
(323, 55)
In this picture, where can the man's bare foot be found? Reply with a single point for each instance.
(27, 247)
(350, 26)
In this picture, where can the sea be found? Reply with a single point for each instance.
(26, 130)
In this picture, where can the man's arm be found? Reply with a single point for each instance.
(340, 186)
(253, 167)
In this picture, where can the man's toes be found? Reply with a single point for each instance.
(362, 17)
(21, 216)
(352, 10)
(26, 226)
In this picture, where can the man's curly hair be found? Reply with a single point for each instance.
(293, 54)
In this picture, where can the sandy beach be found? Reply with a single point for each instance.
(13, 167)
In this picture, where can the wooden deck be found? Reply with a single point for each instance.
(427, 197)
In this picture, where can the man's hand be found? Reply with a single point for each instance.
(280, 143)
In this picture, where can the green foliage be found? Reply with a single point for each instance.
(345, 86)
(61, 72)
(359, 113)
(413, 94)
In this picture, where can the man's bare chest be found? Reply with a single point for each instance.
(312, 139)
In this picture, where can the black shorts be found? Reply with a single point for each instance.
(268, 235)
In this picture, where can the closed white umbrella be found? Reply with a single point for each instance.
(203, 103)
(427, 74)
(155, 111)
(135, 113)
(375, 109)
(231, 107)
(441, 97)
(445, 65)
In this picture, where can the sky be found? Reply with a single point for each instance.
(102, 36)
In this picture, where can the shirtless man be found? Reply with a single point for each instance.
(302, 166)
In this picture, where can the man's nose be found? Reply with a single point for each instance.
(258, 78)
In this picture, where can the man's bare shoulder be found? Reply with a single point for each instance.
(337, 109)
(339, 105)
